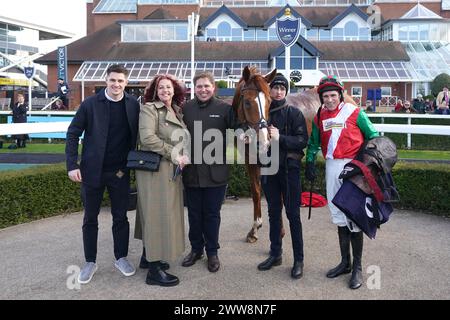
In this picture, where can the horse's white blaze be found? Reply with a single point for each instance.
(261, 101)
(263, 135)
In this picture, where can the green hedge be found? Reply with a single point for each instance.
(36, 193)
(46, 191)
(422, 187)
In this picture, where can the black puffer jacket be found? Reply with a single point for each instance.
(293, 134)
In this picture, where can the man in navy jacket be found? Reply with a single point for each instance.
(109, 121)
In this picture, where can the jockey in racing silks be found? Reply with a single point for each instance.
(340, 131)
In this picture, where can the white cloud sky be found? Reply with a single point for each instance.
(65, 15)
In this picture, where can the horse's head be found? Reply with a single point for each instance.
(251, 102)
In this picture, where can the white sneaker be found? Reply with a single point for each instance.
(125, 267)
(87, 272)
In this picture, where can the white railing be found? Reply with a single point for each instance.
(411, 128)
(36, 127)
(52, 127)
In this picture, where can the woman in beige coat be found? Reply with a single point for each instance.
(160, 212)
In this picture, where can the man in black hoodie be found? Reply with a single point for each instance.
(287, 127)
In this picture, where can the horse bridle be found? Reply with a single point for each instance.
(262, 122)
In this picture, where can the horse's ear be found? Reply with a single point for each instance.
(246, 73)
(269, 77)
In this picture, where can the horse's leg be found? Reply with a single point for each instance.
(255, 187)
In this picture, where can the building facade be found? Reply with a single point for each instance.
(19, 41)
(396, 46)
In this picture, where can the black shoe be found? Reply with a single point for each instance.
(144, 264)
(213, 263)
(344, 266)
(356, 279)
(191, 258)
(270, 262)
(341, 268)
(297, 270)
(161, 278)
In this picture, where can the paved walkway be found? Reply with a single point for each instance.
(411, 255)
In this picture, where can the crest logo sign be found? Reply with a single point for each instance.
(29, 72)
(288, 30)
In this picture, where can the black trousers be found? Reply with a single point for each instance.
(118, 189)
(64, 100)
(204, 206)
(275, 190)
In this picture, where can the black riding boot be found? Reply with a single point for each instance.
(157, 276)
(344, 243)
(144, 264)
(357, 248)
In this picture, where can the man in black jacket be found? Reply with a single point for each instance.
(205, 182)
(63, 90)
(109, 121)
(19, 111)
(287, 127)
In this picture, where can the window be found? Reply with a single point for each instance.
(312, 34)
(249, 35)
(338, 34)
(272, 34)
(423, 32)
(154, 32)
(261, 35)
(356, 91)
(364, 34)
(324, 35)
(351, 30)
(403, 32)
(386, 91)
(236, 34)
(224, 29)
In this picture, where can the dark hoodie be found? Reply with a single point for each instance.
(293, 134)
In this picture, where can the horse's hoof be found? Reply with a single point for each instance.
(251, 239)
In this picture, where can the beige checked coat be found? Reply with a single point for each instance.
(160, 211)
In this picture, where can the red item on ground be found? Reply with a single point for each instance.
(317, 200)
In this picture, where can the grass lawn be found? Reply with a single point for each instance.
(424, 154)
(36, 148)
(59, 148)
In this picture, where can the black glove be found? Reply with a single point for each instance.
(310, 171)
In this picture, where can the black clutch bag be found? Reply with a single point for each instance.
(143, 160)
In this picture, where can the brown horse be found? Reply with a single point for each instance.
(251, 104)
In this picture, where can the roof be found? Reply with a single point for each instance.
(45, 33)
(318, 16)
(105, 45)
(420, 12)
(160, 13)
(280, 13)
(391, 11)
(361, 50)
(223, 10)
(351, 9)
